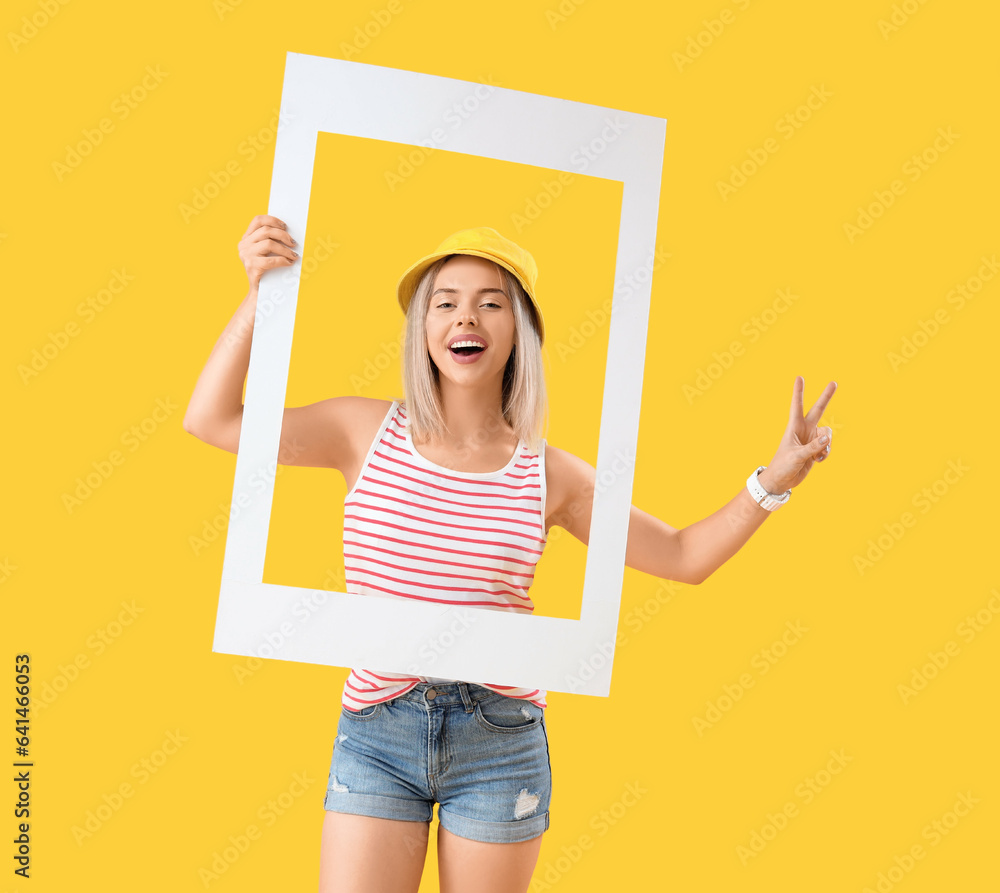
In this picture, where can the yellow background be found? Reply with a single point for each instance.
(367, 224)
(883, 96)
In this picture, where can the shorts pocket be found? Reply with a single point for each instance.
(503, 714)
(368, 712)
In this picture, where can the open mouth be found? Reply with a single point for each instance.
(467, 351)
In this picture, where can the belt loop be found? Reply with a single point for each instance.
(470, 705)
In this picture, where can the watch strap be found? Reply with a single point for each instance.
(766, 500)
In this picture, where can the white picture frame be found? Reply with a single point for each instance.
(338, 629)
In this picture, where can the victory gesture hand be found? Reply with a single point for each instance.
(802, 444)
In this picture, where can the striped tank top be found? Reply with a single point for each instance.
(414, 529)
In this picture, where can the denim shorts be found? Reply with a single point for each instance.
(482, 756)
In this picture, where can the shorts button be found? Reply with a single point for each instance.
(431, 694)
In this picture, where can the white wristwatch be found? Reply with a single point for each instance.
(765, 500)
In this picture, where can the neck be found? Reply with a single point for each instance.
(473, 415)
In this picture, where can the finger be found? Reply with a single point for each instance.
(272, 247)
(809, 452)
(795, 413)
(269, 263)
(824, 454)
(816, 413)
(819, 445)
(264, 220)
(272, 232)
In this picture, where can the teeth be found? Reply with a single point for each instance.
(468, 344)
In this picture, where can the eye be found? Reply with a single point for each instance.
(486, 304)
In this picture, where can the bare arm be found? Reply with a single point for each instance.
(695, 552)
(310, 435)
(653, 546)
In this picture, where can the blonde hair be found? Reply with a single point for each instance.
(524, 403)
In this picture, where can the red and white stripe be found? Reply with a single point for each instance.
(413, 529)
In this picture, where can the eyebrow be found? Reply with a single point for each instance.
(482, 291)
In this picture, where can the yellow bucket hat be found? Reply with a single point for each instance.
(480, 241)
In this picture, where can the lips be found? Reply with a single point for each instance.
(475, 338)
(465, 355)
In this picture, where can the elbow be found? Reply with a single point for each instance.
(697, 576)
(688, 579)
(190, 425)
(692, 563)
(211, 431)
(196, 426)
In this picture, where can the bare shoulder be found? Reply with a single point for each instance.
(360, 418)
(566, 474)
(331, 433)
(362, 409)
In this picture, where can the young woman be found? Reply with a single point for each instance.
(451, 496)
